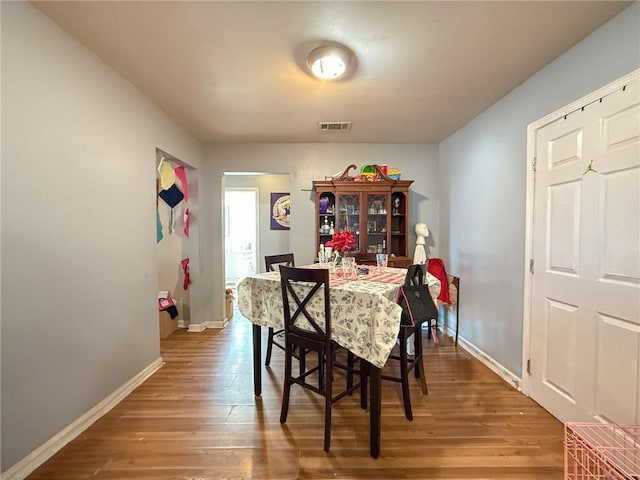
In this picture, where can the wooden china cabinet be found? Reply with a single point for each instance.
(376, 211)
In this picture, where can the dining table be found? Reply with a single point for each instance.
(365, 319)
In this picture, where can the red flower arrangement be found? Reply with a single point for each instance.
(342, 241)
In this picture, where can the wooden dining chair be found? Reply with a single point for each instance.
(363, 258)
(307, 315)
(272, 262)
(415, 276)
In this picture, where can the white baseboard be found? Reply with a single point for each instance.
(33, 460)
(218, 324)
(201, 327)
(500, 370)
(197, 327)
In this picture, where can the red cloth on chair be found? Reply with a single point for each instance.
(435, 266)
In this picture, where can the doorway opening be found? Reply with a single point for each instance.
(249, 232)
(240, 234)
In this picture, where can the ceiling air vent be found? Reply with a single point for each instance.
(333, 126)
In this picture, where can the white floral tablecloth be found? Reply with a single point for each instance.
(364, 314)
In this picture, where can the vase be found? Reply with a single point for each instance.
(349, 267)
(344, 266)
(337, 264)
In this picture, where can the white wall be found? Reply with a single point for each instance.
(306, 163)
(482, 192)
(79, 264)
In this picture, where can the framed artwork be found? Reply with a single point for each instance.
(280, 211)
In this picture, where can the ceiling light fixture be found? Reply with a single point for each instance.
(329, 62)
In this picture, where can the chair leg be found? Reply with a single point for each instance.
(350, 363)
(417, 336)
(364, 383)
(434, 331)
(321, 367)
(457, 321)
(302, 356)
(288, 360)
(419, 359)
(404, 376)
(269, 346)
(328, 390)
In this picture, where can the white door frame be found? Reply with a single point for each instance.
(532, 133)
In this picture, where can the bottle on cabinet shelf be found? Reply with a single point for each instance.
(331, 229)
(325, 226)
(396, 206)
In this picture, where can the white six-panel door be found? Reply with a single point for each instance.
(585, 289)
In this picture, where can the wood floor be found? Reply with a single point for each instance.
(197, 419)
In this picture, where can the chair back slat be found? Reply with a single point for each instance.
(300, 307)
(365, 258)
(272, 262)
(415, 275)
(301, 287)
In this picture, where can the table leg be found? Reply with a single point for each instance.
(364, 384)
(375, 411)
(257, 357)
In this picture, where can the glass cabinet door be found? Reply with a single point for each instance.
(348, 214)
(377, 228)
